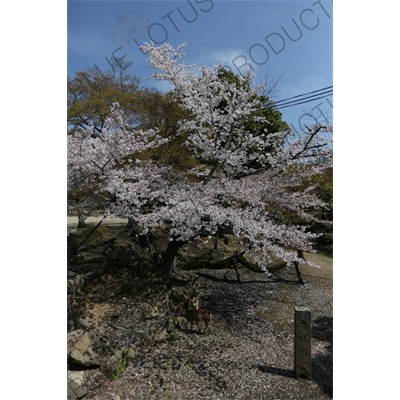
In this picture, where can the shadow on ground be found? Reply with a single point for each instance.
(277, 371)
(322, 364)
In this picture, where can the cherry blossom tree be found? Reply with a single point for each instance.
(101, 168)
(230, 193)
(243, 184)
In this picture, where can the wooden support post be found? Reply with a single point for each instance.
(302, 343)
(296, 265)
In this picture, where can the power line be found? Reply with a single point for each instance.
(303, 98)
(307, 101)
(300, 95)
(284, 102)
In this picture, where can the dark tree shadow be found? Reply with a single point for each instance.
(322, 364)
(277, 371)
(234, 281)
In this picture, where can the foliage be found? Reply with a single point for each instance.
(91, 94)
(265, 108)
(121, 368)
(162, 111)
(262, 120)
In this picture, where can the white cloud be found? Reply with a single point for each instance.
(224, 57)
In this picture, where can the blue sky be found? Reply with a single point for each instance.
(236, 34)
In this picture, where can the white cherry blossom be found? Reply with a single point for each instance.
(224, 192)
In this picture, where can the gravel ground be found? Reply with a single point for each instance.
(248, 354)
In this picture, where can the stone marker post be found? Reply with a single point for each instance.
(302, 342)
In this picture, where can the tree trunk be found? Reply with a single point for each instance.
(81, 219)
(74, 249)
(296, 265)
(132, 224)
(169, 257)
(216, 242)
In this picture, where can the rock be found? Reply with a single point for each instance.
(72, 317)
(114, 367)
(155, 337)
(170, 325)
(74, 390)
(90, 350)
(160, 337)
(132, 351)
(151, 311)
(178, 294)
(77, 376)
(74, 282)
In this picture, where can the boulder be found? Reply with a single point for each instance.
(153, 338)
(77, 376)
(72, 317)
(132, 351)
(74, 389)
(74, 282)
(90, 350)
(114, 367)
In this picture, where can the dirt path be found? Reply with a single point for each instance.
(72, 221)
